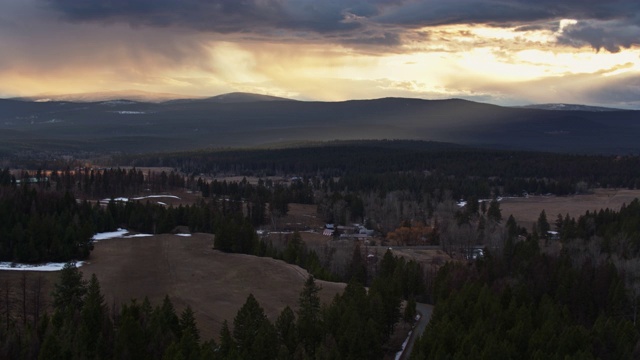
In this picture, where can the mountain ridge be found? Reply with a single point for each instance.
(242, 97)
(145, 96)
(129, 126)
(567, 107)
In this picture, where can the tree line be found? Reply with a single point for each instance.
(515, 171)
(357, 324)
(525, 302)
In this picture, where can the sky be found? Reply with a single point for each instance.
(507, 52)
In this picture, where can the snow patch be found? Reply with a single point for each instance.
(404, 346)
(39, 267)
(109, 235)
(137, 236)
(156, 196)
(184, 235)
(124, 199)
(120, 233)
(117, 102)
(123, 112)
(406, 341)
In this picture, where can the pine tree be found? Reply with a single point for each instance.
(93, 316)
(494, 213)
(309, 321)
(188, 323)
(130, 337)
(189, 344)
(358, 268)
(543, 224)
(410, 311)
(246, 324)
(68, 293)
(286, 330)
(227, 346)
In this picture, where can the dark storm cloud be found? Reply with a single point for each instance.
(501, 12)
(221, 15)
(621, 90)
(611, 25)
(609, 35)
(376, 39)
(602, 24)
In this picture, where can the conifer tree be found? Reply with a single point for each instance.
(227, 348)
(543, 224)
(286, 330)
(68, 293)
(93, 317)
(494, 213)
(246, 324)
(309, 321)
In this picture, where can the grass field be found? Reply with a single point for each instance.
(527, 210)
(187, 269)
(216, 285)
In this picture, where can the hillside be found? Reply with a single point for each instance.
(245, 120)
(187, 269)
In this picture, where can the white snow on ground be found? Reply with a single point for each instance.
(184, 235)
(125, 112)
(156, 196)
(117, 102)
(463, 203)
(406, 341)
(120, 233)
(161, 203)
(404, 345)
(120, 199)
(124, 199)
(29, 267)
(109, 235)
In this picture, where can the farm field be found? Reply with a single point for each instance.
(187, 269)
(527, 210)
(213, 283)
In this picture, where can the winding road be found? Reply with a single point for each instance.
(425, 311)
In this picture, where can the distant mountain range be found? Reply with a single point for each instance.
(569, 107)
(132, 95)
(151, 97)
(245, 120)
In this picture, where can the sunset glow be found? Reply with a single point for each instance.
(328, 51)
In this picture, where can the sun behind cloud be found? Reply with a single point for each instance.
(329, 52)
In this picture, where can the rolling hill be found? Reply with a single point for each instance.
(246, 120)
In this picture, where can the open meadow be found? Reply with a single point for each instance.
(187, 269)
(526, 210)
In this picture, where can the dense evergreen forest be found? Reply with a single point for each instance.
(356, 325)
(530, 295)
(367, 164)
(527, 304)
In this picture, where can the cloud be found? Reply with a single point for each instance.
(323, 49)
(610, 35)
(620, 90)
(609, 25)
(606, 25)
(222, 16)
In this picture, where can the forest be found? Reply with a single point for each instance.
(356, 325)
(529, 296)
